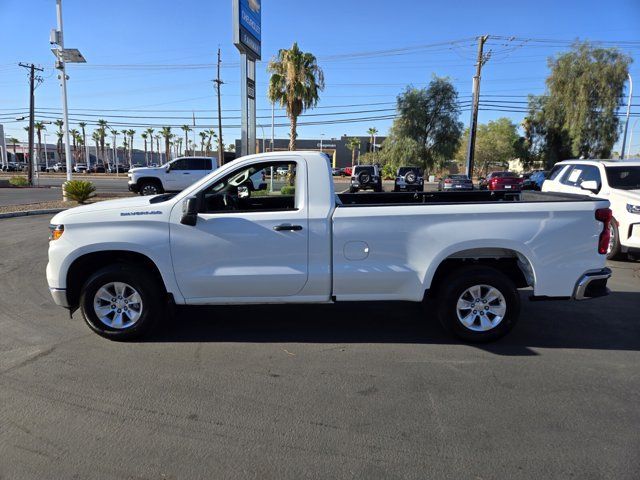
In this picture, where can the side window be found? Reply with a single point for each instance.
(182, 164)
(555, 171)
(581, 173)
(206, 164)
(268, 186)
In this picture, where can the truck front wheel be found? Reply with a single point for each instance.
(148, 187)
(478, 304)
(121, 302)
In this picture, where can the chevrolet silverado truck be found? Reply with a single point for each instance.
(463, 254)
(173, 176)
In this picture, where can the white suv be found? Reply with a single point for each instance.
(616, 180)
(174, 176)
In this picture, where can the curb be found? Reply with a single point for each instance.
(31, 212)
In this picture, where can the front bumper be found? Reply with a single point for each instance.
(133, 187)
(59, 296)
(592, 284)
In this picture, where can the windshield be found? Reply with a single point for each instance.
(624, 177)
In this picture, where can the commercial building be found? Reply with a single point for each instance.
(336, 148)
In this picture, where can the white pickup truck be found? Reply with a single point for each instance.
(173, 176)
(122, 262)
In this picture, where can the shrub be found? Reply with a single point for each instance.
(18, 181)
(288, 190)
(79, 190)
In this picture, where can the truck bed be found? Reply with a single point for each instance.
(476, 196)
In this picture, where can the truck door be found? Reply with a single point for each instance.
(184, 172)
(246, 243)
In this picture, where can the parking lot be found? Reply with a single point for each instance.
(336, 391)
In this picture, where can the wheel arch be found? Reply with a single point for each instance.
(83, 266)
(515, 264)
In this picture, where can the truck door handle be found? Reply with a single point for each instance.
(186, 173)
(285, 227)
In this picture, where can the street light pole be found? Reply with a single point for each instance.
(46, 156)
(631, 137)
(63, 87)
(626, 123)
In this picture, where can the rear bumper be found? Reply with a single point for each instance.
(592, 284)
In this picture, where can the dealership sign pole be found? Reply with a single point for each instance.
(247, 37)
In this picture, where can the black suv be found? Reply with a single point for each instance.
(366, 177)
(409, 179)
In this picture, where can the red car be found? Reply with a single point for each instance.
(502, 181)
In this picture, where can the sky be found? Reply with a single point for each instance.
(151, 63)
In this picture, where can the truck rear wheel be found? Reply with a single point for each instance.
(614, 250)
(478, 304)
(121, 302)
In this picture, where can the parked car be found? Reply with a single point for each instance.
(98, 168)
(455, 182)
(124, 262)
(120, 168)
(501, 181)
(174, 176)
(347, 171)
(336, 171)
(366, 177)
(282, 171)
(80, 168)
(534, 180)
(615, 180)
(409, 179)
(57, 167)
(10, 167)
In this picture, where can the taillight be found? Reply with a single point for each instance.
(604, 215)
(448, 180)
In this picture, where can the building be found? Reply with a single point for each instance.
(336, 148)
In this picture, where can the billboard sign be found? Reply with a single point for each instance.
(247, 26)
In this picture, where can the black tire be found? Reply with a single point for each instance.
(150, 187)
(352, 190)
(616, 249)
(147, 286)
(454, 286)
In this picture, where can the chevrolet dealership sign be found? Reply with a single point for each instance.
(247, 26)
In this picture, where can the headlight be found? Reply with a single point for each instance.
(56, 232)
(633, 208)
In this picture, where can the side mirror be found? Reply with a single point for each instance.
(189, 211)
(243, 192)
(590, 185)
(168, 168)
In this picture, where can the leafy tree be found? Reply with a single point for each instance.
(496, 143)
(296, 80)
(577, 115)
(429, 116)
(400, 150)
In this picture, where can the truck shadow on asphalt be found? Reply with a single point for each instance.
(610, 323)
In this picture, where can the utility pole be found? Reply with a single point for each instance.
(219, 83)
(626, 124)
(482, 59)
(32, 86)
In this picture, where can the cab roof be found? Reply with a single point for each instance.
(605, 162)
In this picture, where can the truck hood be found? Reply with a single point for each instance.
(632, 196)
(135, 205)
(146, 170)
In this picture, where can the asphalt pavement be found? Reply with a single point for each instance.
(367, 391)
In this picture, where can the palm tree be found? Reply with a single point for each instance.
(186, 129)
(373, 131)
(131, 134)
(59, 133)
(166, 133)
(353, 144)
(231, 147)
(149, 132)
(102, 131)
(296, 80)
(82, 126)
(39, 127)
(212, 134)
(78, 140)
(96, 138)
(74, 136)
(203, 139)
(14, 141)
(157, 136)
(145, 137)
